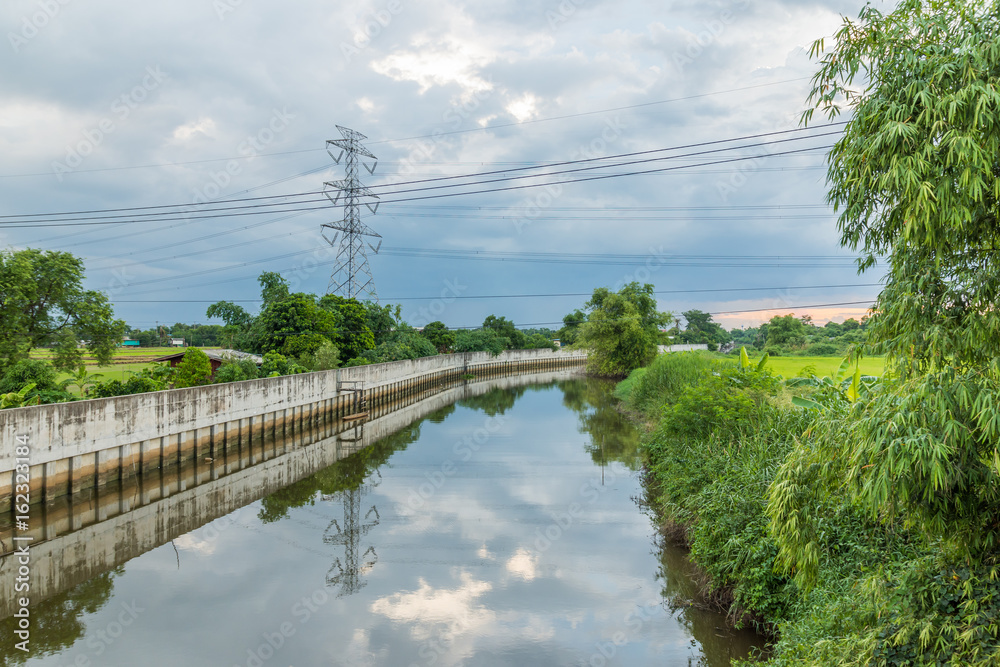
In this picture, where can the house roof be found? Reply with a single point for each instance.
(219, 355)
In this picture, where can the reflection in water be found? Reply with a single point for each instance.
(57, 624)
(461, 578)
(349, 573)
(612, 436)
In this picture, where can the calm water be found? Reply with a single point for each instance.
(500, 530)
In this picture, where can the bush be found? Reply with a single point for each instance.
(327, 357)
(27, 371)
(399, 346)
(194, 370)
(665, 378)
(276, 364)
(481, 340)
(720, 403)
(134, 385)
(822, 350)
(237, 370)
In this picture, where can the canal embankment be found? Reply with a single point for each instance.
(83, 445)
(76, 537)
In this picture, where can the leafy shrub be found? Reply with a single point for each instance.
(399, 346)
(665, 378)
(134, 385)
(327, 357)
(194, 370)
(276, 364)
(237, 370)
(28, 371)
(720, 403)
(481, 340)
(821, 350)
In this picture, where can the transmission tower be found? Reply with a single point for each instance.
(352, 276)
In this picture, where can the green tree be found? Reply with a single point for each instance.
(570, 331)
(276, 364)
(381, 320)
(273, 287)
(325, 358)
(537, 341)
(354, 336)
(293, 325)
(506, 328)
(237, 370)
(481, 340)
(43, 303)
(786, 330)
(915, 178)
(439, 336)
(622, 329)
(701, 329)
(194, 370)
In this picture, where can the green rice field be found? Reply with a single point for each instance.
(789, 367)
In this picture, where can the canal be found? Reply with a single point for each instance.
(504, 528)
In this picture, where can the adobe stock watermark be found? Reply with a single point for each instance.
(272, 641)
(562, 13)
(590, 492)
(740, 176)
(371, 28)
(121, 108)
(657, 258)
(225, 7)
(534, 205)
(319, 257)
(463, 450)
(711, 32)
(32, 24)
(634, 622)
(435, 309)
(453, 119)
(248, 149)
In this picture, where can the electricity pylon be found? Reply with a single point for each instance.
(351, 276)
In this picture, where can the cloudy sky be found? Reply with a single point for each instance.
(111, 105)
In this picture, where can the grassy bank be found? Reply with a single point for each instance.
(731, 473)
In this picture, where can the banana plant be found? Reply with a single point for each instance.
(19, 399)
(746, 363)
(843, 386)
(83, 380)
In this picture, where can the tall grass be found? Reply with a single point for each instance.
(647, 388)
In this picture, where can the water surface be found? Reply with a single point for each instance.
(500, 530)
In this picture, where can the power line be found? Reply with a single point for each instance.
(201, 207)
(212, 215)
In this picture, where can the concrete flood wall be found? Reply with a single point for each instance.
(78, 537)
(72, 447)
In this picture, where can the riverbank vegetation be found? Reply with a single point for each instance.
(859, 518)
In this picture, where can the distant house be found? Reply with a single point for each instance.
(176, 342)
(130, 342)
(215, 357)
